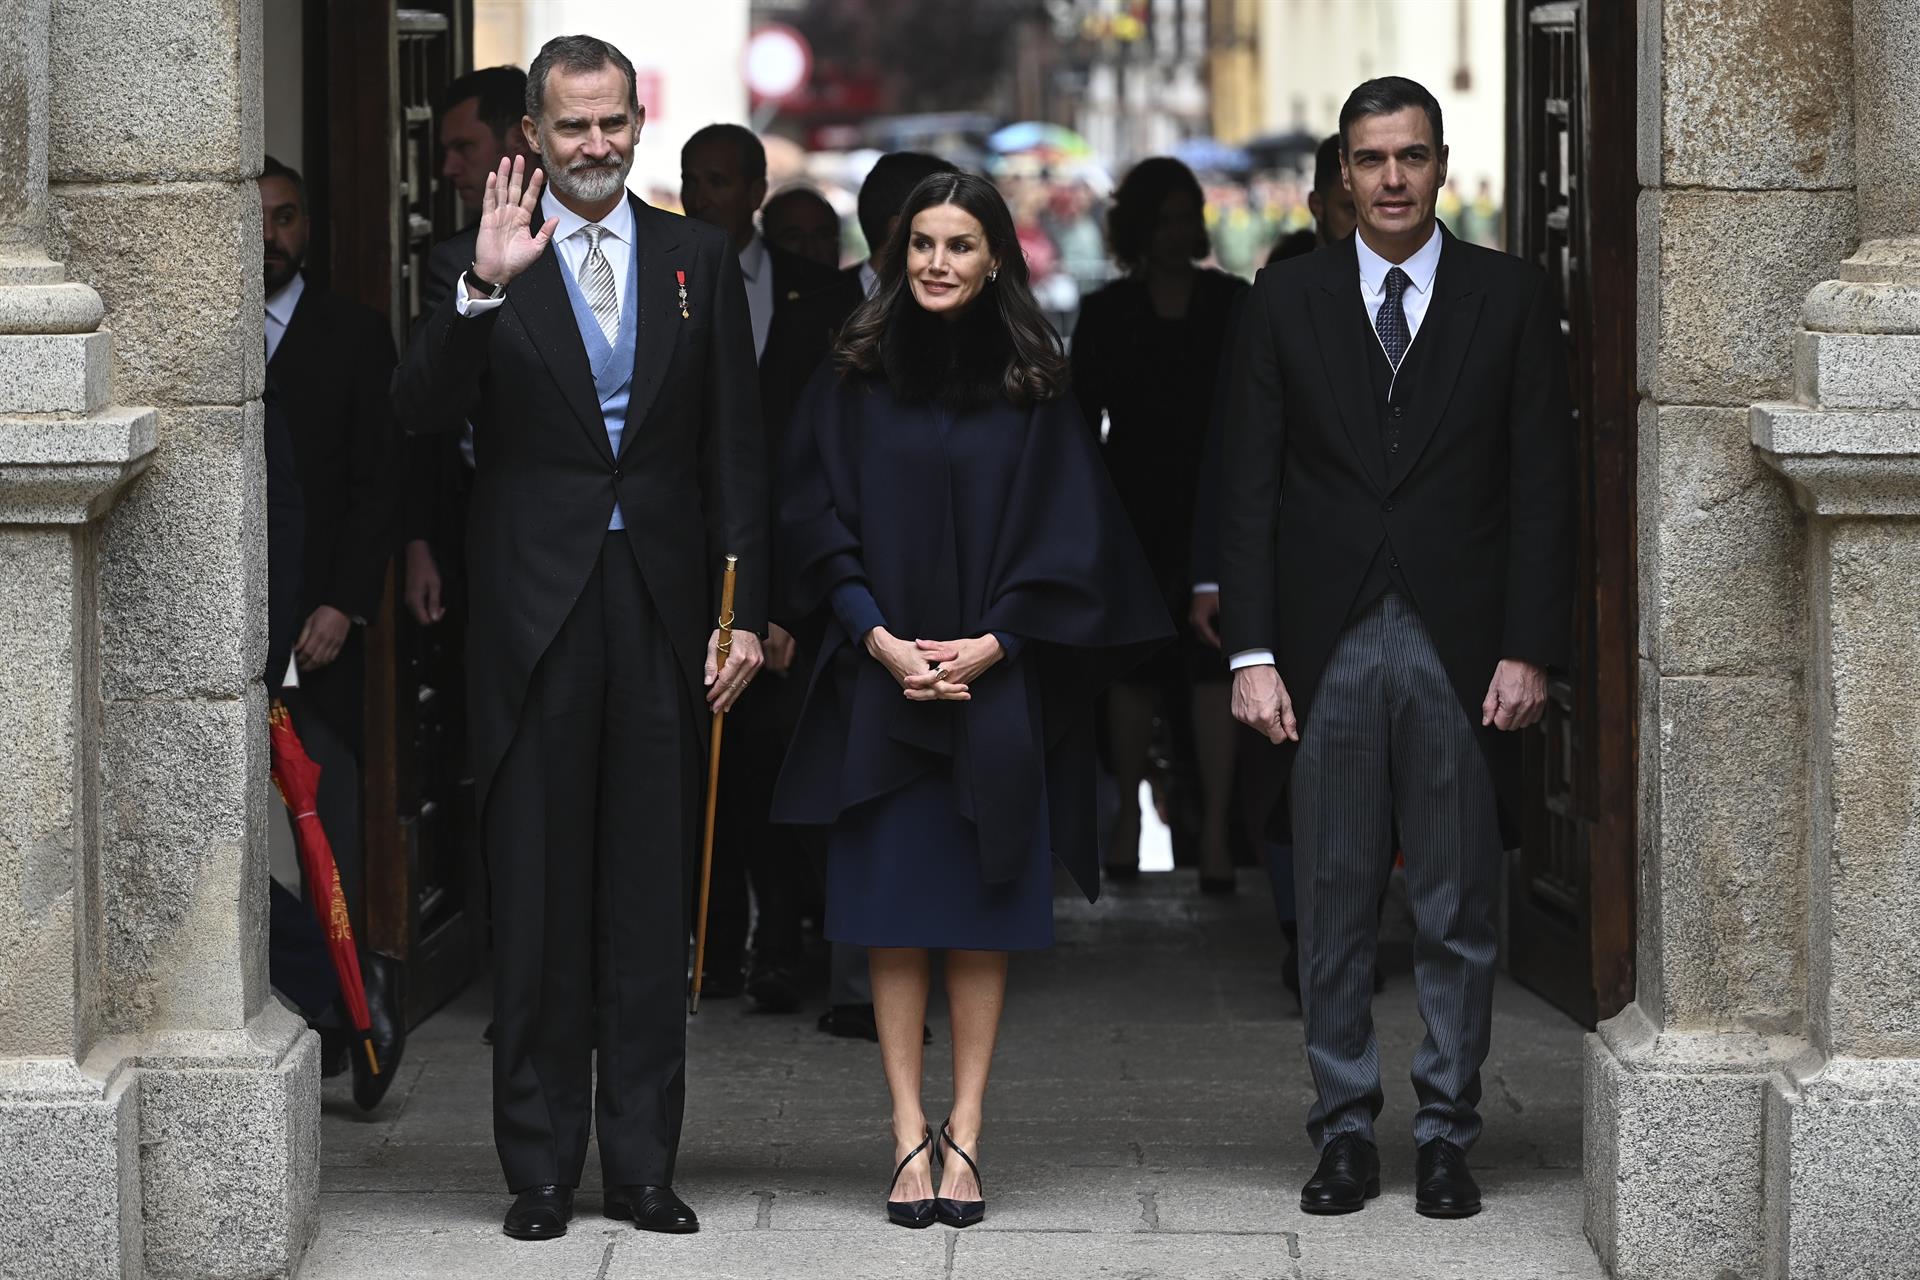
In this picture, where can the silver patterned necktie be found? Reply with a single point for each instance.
(596, 282)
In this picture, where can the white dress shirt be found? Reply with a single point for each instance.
(756, 268)
(616, 246)
(869, 278)
(1420, 269)
(280, 305)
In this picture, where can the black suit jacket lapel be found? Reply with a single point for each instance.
(1452, 316)
(539, 298)
(1339, 325)
(656, 243)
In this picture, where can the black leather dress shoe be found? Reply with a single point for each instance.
(855, 1022)
(333, 1053)
(652, 1209)
(1348, 1177)
(774, 985)
(1443, 1185)
(725, 982)
(386, 1007)
(539, 1213)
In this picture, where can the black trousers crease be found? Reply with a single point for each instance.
(589, 833)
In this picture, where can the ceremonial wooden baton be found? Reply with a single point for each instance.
(721, 652)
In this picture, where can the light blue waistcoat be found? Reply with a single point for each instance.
(612, 363)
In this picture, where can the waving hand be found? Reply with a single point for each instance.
(507, 245)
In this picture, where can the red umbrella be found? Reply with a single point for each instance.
(298, 778)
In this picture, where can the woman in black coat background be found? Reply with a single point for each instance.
(1146, 356)
(942, 500)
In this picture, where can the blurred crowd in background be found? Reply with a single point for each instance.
(1059, 193)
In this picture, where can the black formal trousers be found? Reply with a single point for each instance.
(589, 836)
(1387, 739)
(747, 847)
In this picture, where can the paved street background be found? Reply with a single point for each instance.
(1144, 1122)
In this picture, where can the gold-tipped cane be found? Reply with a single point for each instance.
(721, 652)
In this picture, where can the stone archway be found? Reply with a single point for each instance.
(158, 1109)
(1755, 1111)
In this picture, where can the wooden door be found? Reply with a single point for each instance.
(1571, 210)
(374, 72)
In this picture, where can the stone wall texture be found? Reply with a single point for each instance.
(171, 1103)
(1747, 165)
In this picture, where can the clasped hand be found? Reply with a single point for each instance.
(934, 670)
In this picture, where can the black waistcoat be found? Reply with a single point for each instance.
(1393, 398)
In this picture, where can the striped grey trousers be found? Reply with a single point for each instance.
(1386, 737)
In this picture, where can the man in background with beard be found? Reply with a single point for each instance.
(328, 363)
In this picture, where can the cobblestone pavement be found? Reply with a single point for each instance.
(1144, 1122)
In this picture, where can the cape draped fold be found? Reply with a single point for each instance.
(960, 522)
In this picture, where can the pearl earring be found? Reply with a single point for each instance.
(993, 275)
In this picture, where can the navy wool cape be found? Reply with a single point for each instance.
(960, 521)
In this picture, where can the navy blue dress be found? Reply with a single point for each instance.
(941, 521)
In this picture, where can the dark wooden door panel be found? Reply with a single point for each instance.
(1570, 897)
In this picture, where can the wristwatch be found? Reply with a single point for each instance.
(478, 288)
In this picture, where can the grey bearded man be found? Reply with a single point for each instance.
(601, 350)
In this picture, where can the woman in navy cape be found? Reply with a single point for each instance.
(944, 509)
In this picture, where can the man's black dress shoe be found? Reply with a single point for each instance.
(1348, 1177)
(386, 1008)
(1443, 1186)
(774, 985)
(652, 1209)
(333, 1052)
(539, 1213)
(855, 1022)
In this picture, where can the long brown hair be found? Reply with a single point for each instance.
(1036, 368)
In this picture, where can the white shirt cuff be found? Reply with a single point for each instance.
(1204, 588)
(1251, 658)
(467, 306)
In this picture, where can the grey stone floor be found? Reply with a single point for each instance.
(1144, 1122)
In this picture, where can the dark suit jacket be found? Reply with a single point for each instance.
(1477, 506)
(690, 477)
(286, 540)
(794, 277)
(802, 335)
(331, 370)
(431, 463)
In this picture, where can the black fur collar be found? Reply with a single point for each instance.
(960, 363)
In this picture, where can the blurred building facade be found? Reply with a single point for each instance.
(1313, 52)
(686, 61)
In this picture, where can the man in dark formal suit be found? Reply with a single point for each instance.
(803, 333)
(723, 180)
(1395, 556)
(1259, 784)
(329, 360)
(479, 125)
(602, 352)
(800, 221)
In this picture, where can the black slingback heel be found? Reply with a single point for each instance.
(960, 1213)
(915, 1215)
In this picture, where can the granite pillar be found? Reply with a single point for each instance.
(158, 1109)
(1747, 162)
(1843, 1117)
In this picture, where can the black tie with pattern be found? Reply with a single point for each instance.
(1390, 322)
